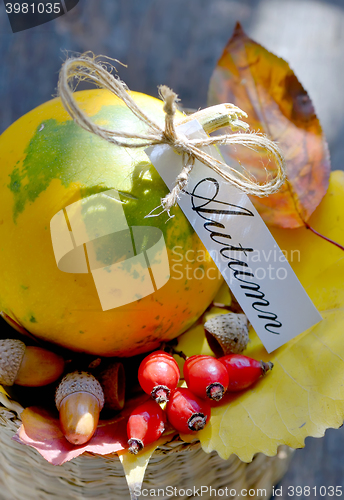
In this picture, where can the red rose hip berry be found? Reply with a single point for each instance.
(206, 377)
(243, 371)
(159, 375)
(145, 425)
(186, 412)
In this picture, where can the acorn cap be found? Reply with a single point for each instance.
(227, 333)
(112, 380)
(11, 356)
(79, 382)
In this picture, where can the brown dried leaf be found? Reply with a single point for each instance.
(277, 105)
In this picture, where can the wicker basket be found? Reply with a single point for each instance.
(26, 475)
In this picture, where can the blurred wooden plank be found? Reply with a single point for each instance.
(178, 43)
(310, 36)
(319, 464)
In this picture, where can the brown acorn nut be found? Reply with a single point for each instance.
(227, 333)
(28, 366)
(112, 380)
(79, 399)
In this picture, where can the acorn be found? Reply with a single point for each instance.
(28, 366)
(112, 380)
(79, 399)
(227, 333)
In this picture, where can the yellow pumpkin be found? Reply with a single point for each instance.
(49, 163)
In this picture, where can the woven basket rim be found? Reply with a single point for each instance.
(26, 472)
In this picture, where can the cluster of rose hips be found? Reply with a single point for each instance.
(187, 409)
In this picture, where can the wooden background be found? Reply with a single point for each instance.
(177, 42)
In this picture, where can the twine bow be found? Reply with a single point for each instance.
(87, 68)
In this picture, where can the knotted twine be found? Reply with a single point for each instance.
(86, 67)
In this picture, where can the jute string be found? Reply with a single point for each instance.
(86, 67)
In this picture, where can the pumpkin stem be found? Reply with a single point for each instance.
(215, 117)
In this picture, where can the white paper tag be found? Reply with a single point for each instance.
(241, 246)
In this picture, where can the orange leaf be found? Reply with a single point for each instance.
(265, 87)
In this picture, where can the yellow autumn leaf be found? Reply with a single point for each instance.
(223, 295)
(304, 393)
(134, 466)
